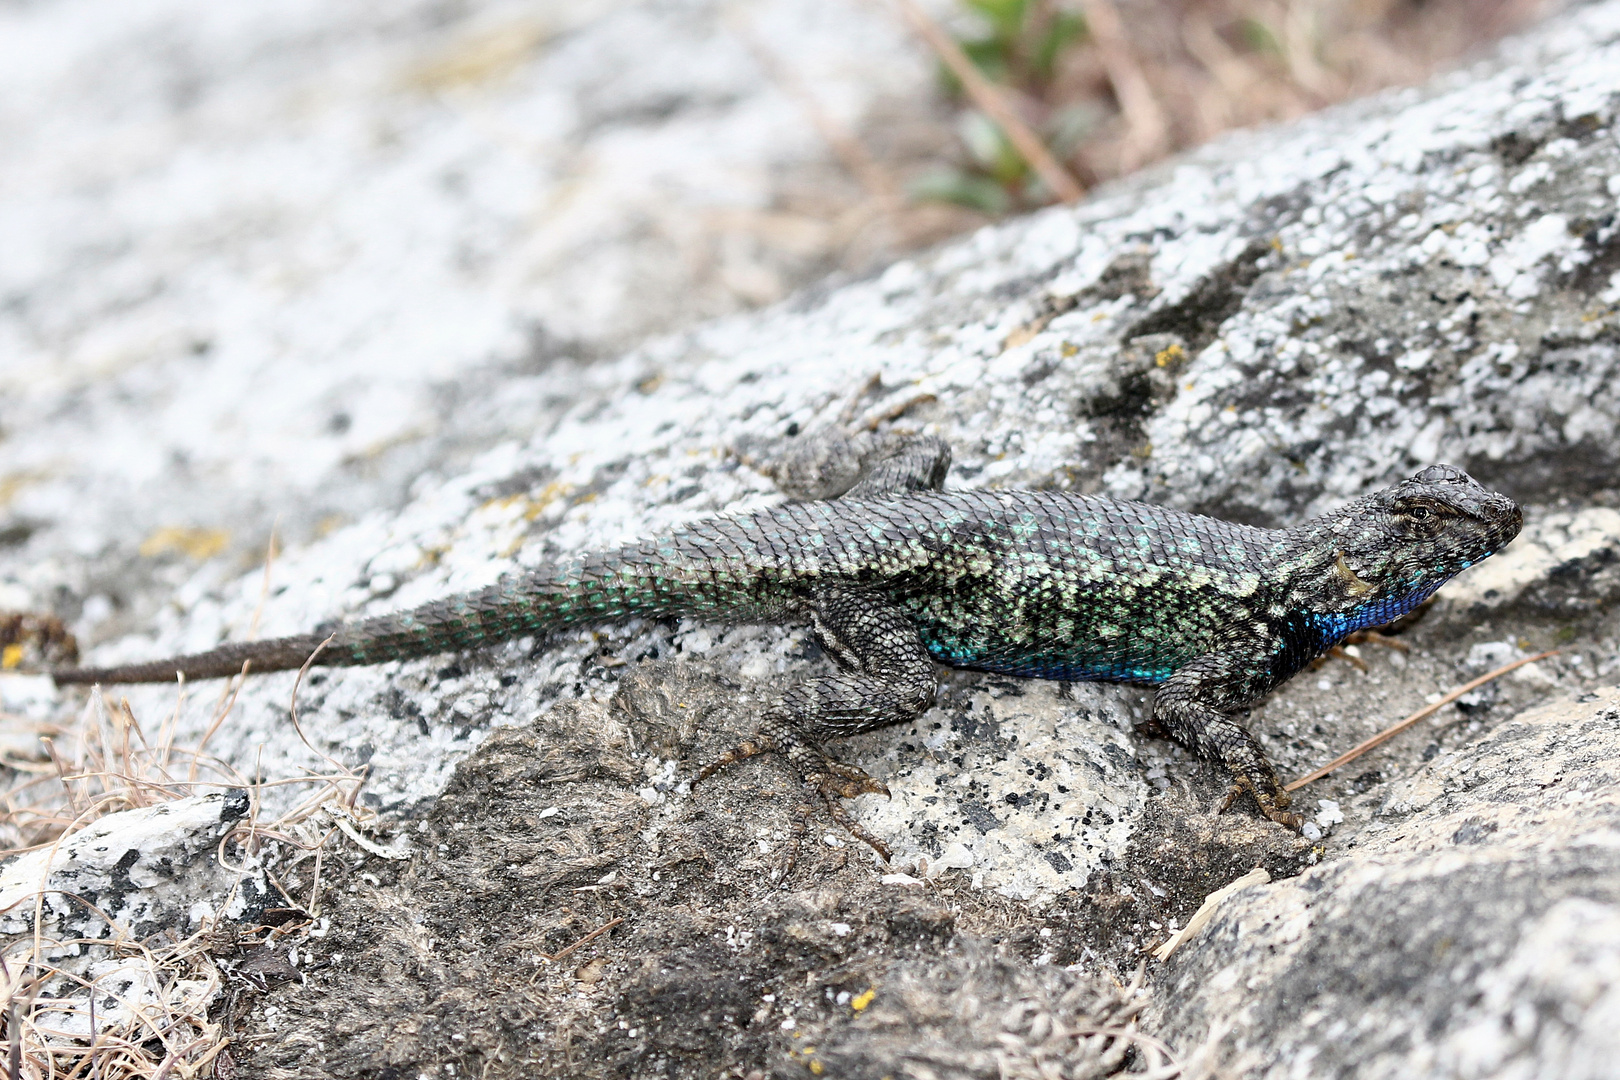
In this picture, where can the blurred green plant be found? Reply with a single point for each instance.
(1020, 47)
(1151, 77)
(1025, 40)
(995, 179)
(1260, 37)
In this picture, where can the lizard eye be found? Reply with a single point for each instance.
(1422, 514)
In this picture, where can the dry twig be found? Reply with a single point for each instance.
(1428, 710)
(587, 939)
(1149, 131)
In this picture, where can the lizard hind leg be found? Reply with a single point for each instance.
(887, 678)
(830, 779)
(918, 464)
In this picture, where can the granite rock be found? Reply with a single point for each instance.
(1469, 930)
(1261, 330)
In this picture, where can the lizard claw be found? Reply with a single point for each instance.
(844, 781)
(1360, 637)
(1232, 794)
(836, 811)
(835, 781)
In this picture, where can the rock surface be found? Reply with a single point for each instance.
(265, 266)
(92, 909)
(1260, 331)
(1471, 930)
(149, 870)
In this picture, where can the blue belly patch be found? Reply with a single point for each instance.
(1066, 668)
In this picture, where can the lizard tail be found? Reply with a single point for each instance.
(597, 588)
(277, 654)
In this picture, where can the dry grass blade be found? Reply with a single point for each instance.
(1428, 710)
(157, 993)
(14, 1037)
(1163, 1067)
(292, 704)
(587, 939)
(1142, 79)
(1206, 911)
(1148, 132)
(228, 693)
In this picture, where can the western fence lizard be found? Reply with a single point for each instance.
(897, 574)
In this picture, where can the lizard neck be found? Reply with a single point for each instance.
(1341, 577)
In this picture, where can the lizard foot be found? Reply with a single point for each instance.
(835, 781)
(832, 780)
(1273, 805)
(1373, 637)
(801, 828)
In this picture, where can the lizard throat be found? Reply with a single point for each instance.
(1335, 626)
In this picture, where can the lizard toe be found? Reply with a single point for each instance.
(1273, 803)
(1276, 812)
(829, 778)
(759, 744)
(835, 781)
(835, 809)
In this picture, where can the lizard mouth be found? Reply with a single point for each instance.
(1504, 519)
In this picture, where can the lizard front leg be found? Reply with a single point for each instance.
(887, 677)
(917, 464)
(1194, 706)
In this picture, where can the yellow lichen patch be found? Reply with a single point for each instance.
(11, 483)
(197, 544)
(11, 657)
(482, 57)
(531, 506)
(548, 495)
(374, 450)
(863, 1000)
(1173, 354)
(432, 555)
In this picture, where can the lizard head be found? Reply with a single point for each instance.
(1392, 549)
